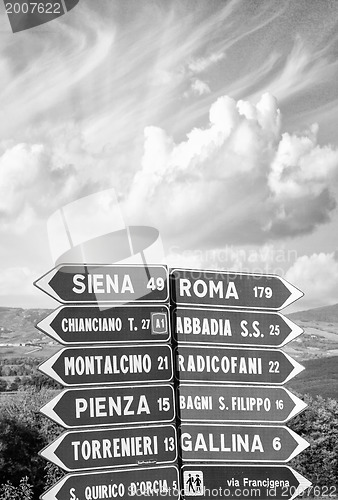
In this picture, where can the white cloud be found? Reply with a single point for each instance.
(200, 88)
(38, 178)
(317, 277)
(238, 180)
(199, 65)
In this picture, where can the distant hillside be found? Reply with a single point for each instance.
(18, 325)
(320, 378)
(316, 349)
(327, 314)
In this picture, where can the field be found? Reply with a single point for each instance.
(316, 348)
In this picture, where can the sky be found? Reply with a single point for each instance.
(215, 122)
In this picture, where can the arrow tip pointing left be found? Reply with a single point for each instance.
(43, 284)
(49, 453)
(51, 494)
(47, 367)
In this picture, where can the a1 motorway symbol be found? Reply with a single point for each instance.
(78, 325)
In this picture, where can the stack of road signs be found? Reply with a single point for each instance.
(229, 374)
(120, 407)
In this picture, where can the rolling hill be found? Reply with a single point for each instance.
(316, 348)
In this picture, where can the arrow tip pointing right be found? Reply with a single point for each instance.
(304, 484)
(297, 367)
(299, 405)
(302, 444)
(295, 293)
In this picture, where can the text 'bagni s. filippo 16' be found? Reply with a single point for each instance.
(128, 396)
(226, 328)
(118, 365)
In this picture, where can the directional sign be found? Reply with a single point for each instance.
(113, 447)
(226, 364)
(230, 289)
(99, 406)
(243, 481)
(93, 283)
(233, 327)
(231, 443)
(123, 484)
(78, 325)
(237, 403)
(110, 365)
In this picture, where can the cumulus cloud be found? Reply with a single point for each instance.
(299, 181)
(238, 180)
(38, 178)
(317, 277)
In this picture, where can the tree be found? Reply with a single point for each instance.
(22, 492)
(318, 424)
(23, 433)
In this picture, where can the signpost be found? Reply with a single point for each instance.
(93, 283)
(267, 482)
(234, 443)
(102, 406)
(110, 365)
(123, 484)
(237, 403)
(121, 406)
(113, 447)
(226, 365)
(79, 325)
(229, 289)
(233, 327)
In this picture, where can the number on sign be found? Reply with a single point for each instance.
(158, 284)
(274, 330)
(273, 366)
(262, 291)
(162, 363)
(277, 445)
(279, 404)
(163, 404)
(169, 444)
(145, 324)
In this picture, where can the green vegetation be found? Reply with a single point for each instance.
(24, 475)
(320, 377)
(318, 424)
(16, 373)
